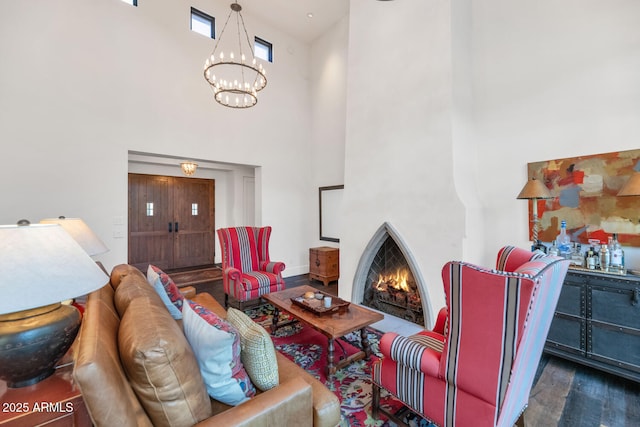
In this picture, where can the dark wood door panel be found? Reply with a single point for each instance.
(149, 218)
(194, 214)
(171, 221)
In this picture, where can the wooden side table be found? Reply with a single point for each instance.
(324, 264)
(53, 402)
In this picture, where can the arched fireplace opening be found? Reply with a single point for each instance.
(388, 279)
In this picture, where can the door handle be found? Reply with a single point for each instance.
(176, 226)
(170, 228)
(635, 297)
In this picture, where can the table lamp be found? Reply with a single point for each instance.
(40, 265)
(534, 190)
(81, 233)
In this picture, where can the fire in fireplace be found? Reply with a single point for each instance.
(392, 288)
(397, 294)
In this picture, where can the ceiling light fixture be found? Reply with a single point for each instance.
(235, 81)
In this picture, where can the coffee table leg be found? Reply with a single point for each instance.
(274, 320)
(366, 346)
(331, 367)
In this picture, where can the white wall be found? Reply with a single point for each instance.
(84, 83)
(551, 79)
(399, 161)
(329, 57)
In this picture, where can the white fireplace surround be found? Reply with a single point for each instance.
(370, 251)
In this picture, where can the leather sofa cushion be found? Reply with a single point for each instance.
(108, 396)
(132, 286)
(121, 271)
(160, 364)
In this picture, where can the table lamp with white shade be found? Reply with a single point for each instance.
(81, 233)
(40, 265)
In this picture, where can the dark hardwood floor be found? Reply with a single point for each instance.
(564, 393)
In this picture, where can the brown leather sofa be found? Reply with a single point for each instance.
(126, 324)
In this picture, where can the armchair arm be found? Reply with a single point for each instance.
(441, 321)
(290, 403)
(232, 273)
(275, 267)
(410, 353)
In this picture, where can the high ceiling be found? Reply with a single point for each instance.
(291, 15)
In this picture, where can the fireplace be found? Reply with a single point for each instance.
(388, 279)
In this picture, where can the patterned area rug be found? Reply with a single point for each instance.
(352, 384)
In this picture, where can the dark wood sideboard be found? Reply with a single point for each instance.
(597, 322)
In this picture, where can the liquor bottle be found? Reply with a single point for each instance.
(605, 258)
(577, 258)
(564, 241)
(617, 256)
(591, 260)
(553, 250)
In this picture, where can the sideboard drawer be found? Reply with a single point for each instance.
(616, 306)
(567, 333)
(572, 300)
(617, 345)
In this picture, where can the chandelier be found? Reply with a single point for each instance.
(235, 81)
(188, 168)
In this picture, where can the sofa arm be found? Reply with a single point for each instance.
(288, 404)
(188, 292)
(275, 267)
(410, 353)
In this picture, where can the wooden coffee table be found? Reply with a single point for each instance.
(333, 326)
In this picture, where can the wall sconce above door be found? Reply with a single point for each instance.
(188, 168)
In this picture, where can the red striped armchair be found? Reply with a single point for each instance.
(476, 367)
(247, 271)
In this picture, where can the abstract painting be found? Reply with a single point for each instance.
(584, 190)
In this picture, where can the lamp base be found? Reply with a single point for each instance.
(32, 342)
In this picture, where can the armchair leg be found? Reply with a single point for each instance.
(375, 403)
(226, 301)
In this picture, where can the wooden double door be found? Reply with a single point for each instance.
(171, 221)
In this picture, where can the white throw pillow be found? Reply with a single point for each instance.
(216, 345)
(152, 276)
